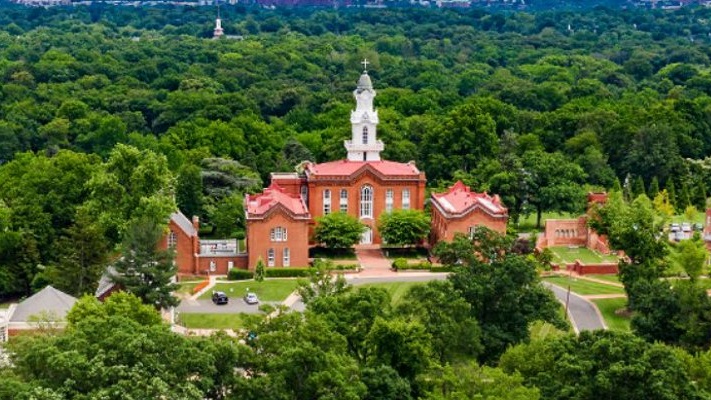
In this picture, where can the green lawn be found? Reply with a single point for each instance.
(267, 290)
(607, 309)
(396, 290)
(586, 256)
(583, 287)
(211, 321)
(605, 277)
(187, 287)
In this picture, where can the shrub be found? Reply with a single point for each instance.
(400, 263)
(239, 274)
(259, 271)
(287, 272)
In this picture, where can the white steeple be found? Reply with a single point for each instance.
(218, 32)
(364, 144)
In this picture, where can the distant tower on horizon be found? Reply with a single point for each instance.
(218, 32)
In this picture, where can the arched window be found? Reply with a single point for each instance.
(366, 202)
(172, 239)
(277, 234)
(365, 135)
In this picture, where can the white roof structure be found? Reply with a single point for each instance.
(48, 300)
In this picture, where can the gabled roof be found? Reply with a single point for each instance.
(48, 300)
(183, 223)
(459, 199)
(348, 168)
(272, 197)
(105, 282)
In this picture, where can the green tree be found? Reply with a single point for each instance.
(132, 185)
(259, 271)
(322, 282)
(471, 381)
(552, 183)
(446, 317)
(653, 188)
(352, 315)
(671, 189)
(338, 230)
(228, 216)
(403, 345)
(502, 306)
(144, 269)
(404, 227)
(638, 187)
(83, 256)
(691, 256)
(188, 191)
(601, 364)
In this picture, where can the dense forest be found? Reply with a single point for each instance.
(110, 118)
(111, 114)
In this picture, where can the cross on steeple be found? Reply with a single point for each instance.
(365, 64)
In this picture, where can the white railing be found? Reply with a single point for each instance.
(377, 146)
(222, 247)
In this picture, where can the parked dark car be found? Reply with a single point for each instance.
(220, 298)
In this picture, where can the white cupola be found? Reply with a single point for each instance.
(364, 144)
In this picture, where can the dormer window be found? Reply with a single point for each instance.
(365, 135)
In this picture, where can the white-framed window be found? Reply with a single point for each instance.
(405, 199)
(270, 257)
(366, 202)
(388, 200)
(326, 201)
(278, 234)
(344, 201)
(286, 258)
(365, 135)
(472, 231)
(172, 240)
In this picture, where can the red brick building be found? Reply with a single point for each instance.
(362, 185)
(277, 228)
(459, 210)
(200, 257)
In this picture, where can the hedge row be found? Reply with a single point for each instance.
(277, 272)
(402, 264)
(239, 274)
(288, 272)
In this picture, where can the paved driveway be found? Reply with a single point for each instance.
(583, 314)
(235, 306)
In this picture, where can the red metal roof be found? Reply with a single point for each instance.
(258, 204)
(347, 168)
(459, 199)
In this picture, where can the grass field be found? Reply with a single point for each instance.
(586, 256)
(267, 290)
(607, 309)
(396, 290)
(527, 223)
(211, 321)
(605, 277)
(583, 287)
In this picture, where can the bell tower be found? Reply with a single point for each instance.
(364, 144)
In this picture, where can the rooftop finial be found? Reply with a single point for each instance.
(365, 65)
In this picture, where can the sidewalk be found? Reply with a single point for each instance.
(213, 281)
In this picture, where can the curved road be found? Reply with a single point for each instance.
(583, 314)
